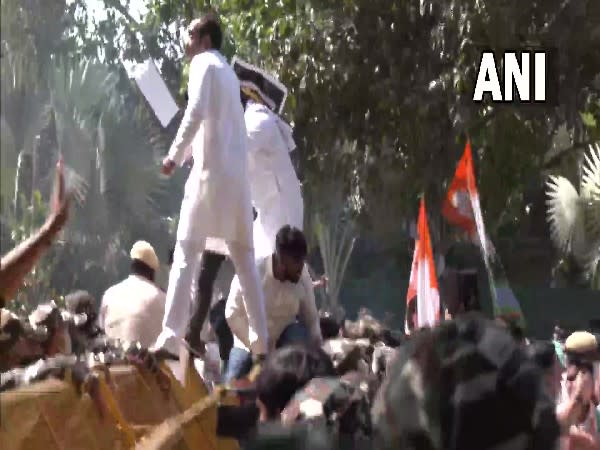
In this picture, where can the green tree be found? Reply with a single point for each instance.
(380, 97)
(82, 109)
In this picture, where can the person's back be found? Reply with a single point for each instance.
(268, 152)
(223, 134)
(132, 310)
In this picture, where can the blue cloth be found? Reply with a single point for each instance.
(240, 360)
(560, 354)
(239, 364)
(294, 333)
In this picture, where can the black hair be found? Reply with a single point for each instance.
(286, 371)
(210, 25)
(290, 241)
(142, 269)
(330, 327)
(561, 332)
(542, 353)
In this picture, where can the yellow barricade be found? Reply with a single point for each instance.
(51, 415)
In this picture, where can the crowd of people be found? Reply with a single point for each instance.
(319, 381)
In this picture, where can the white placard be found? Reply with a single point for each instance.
(155, 90)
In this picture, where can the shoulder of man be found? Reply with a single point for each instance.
(115, 289)
(204, 62)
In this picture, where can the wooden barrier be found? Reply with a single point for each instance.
(51, 415)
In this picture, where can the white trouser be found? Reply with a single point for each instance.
(181, 292)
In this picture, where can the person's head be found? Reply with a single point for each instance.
(144, 261)
(560, 333)
(203, 34)
(286, 371)
(81, 302)
(291, 250)
(543, 354)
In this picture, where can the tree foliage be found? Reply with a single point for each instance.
(380, 99)
(396, 79)
(88, 111)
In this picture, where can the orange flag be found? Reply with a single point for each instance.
(462, 208)
(457, 207)
(422, 298)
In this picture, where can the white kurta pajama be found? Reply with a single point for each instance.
(216, 203)
(275, 188)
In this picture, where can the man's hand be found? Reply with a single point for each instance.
(168, 167)
(321, 282)
(583, 386)
(59, 212)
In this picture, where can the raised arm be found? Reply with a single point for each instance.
(19, 261)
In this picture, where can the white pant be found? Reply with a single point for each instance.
(183, 281)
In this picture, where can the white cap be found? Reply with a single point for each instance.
(145, 253)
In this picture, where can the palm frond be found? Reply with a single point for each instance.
(590, 179)
(590, 205)
(562, 210)
(336, 242)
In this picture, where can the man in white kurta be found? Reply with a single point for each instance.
(216, 204)
(132, 309)
(274, 185)
(275, 189)
(276, 192)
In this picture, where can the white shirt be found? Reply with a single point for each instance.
(216, 202)
(132, 310)
(284, 301)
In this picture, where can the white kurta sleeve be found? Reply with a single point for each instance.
(198, 103)
(308, 309)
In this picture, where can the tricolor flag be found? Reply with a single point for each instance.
(461, 208)
(423, 297)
